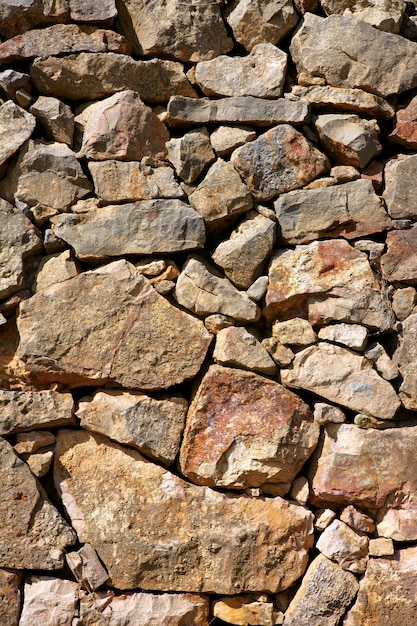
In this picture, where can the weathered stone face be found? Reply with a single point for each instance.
(16, 126)
(406, 358)
(110, 331)
(237, 347)
(153, 508)
(386, 16)
(399, 263)
(46, 598)
(28, 410)
(246, 431)
(10, 596)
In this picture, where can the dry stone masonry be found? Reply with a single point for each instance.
(208, 313)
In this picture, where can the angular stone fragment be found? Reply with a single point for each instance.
(56, 119)
(325, 593)
(102, 74)
(16, 126)
(349, 139)
(343, 99)
(386, 16)
(325, 413)
(343, 545)
(50, 600)
(399, 263)
(202, 290)
(191, 154)
(244, 255)
(246, 431)
(261, 21)
(294, 332)
(226, 138)
(185, 111)
(381, 547)
(18, 16)
(54, 268)
(153, 426)
(372, 469)
(343, 377)
(405, 357)
(174, 29)
(387, 591)
(405, 129)
(123, 127)
(156, 516)
(92, 11)
(221, 195)
(350, 335)
(106, 331)
(144, 227)
(32, 441)
(327, 281)
(278, 161)
(47, 177)
(127, 181)
(144, 609)
(18, 240)
(244, 610)
(10, 596)
(403, 302)
(86, 567)
(29, 410)
(400, 174)
(260, 74)
(383, 364)
(357, 520)
(237, 347)
(323, 518)
(33, 535)
(61, 39)
(357, 55)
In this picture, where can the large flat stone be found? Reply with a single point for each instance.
(105, 325)
(152, 426)
(326, 281)
(30, 410)
(16, 126)
(238, 544)
(372, 469)
(48, 599)
(349, 210)
(357, 55)
(144, 227)
(343, 377)
(175, 29)
(280, 160)
(185, 111)
(246, 431)
(33, 534)
(102, 74)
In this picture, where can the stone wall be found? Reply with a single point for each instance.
(208, 320)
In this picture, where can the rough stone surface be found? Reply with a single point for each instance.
(372, 469)
(123, 127)
(111, 321)
(54, 268)
(386, 16)
(399, 263)
(10, 596)
(339, 375)
(376, 353)
(387, 591)
(16, 126)
(244, 255)
(226, 138)
(29, 410)
(399, 174)
(405, 129)
(405, 357)
(18, 240)
(86, 567)
(325, 413)
(34, 535)
(312, 606)
(343, 99)
(50, 600)
(381, 547)
(260, 74)
(102, 74)
(403, 302)
(237, 347)
(202, 290)
(18, 16)
(342, 544)
(186, 111)
(278, 161)
(191, 154)
(172, 29)
(349, 139)
(261, 21)
(246, 431)
(244, 610)
(91, 11)
(349, 210)
(194, 552)
(153, 426)
(357, 55)
(221, 195)
(357, 520)
(127, 181)
(350, 335)
(55, 117)
(294, 332)
(143, 227)
(329, 281)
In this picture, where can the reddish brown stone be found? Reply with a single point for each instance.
(10, 597)
(400, 261)
(405, 130)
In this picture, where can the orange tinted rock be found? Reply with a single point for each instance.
(244, 431)
(405, 129)
(10, 596)
(399, 263)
